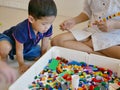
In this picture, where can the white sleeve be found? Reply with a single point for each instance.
(86, 7)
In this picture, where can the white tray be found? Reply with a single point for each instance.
(23, 82)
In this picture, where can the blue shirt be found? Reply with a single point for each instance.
(24, 34)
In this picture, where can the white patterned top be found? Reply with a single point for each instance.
(97, 10)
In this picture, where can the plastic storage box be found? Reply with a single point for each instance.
(23, 82)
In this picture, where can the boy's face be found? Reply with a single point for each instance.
(43, 24)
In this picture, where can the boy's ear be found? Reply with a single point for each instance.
(31, 19)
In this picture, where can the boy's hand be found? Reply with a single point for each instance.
(23, 68)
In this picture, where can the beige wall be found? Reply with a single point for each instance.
(22, 4)
(65, 7)
(69, 7)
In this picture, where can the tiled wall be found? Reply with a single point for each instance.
(65, 7)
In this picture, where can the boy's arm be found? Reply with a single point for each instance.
(45, 44)
(19, 53)
(20, 58)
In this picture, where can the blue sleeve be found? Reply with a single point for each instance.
(49, 32)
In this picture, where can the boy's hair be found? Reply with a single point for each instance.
(42, 8)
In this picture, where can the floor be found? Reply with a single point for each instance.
(11, 16)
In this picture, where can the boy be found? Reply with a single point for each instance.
(21, 40)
